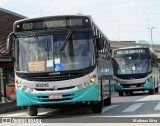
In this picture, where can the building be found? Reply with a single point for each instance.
(7, 19)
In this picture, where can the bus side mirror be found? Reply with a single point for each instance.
(100, 43)
(10, 44)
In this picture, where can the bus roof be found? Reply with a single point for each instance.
(52, 22)
(132, 47)
(137, 47)
(57, 16)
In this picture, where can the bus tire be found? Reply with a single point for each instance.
(131, 93)
(107, 101)
(121, 93)
(97, 107)
(32, 110)
(151, 91)
(126, 92)
(156, 90)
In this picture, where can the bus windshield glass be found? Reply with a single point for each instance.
(132, 64)
(41, 53)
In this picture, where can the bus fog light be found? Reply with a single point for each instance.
(30, 90)
(80, 86)
(86, 84)
(24, 88)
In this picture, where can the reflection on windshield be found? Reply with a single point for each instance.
(131, 65)
(43, 54)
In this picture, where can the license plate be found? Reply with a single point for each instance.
(55, 96)
(133, 86)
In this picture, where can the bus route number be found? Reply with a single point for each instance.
(27, 26)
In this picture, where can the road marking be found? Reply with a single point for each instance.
(157, 107)
(15, 115)
(43, 113)
(108, 108)
(133, 107)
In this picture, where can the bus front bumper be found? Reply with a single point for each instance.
(147, 86)
(89, 93)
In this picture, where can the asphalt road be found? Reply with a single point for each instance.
(139, 105)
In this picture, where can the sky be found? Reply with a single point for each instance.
(119, 20)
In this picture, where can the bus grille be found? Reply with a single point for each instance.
(54, 78)
(128, 85)
(64, 88)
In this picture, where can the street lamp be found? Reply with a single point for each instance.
(151, 36)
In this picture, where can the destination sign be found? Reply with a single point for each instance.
(129, 51)
(51, 23)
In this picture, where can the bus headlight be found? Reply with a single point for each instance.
(86, 84)
(30, 90)
(115, 81)
(149, 79)
(80, 86)
(16, 81)
(24, 88)
(93, 79)
(19, 85)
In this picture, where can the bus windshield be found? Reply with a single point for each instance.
(131, 64)
(43, 52)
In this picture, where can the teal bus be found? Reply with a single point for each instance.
(135, 69)
(60, 60)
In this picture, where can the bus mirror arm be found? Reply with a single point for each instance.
(100, 43)
(9, 46)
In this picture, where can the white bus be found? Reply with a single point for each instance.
(135, 69)
(59, 60)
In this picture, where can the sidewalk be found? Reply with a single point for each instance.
(8, 107)
(114, 94)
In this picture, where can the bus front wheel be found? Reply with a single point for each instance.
(97, 107)
(107, 101)
(121, 93)
(156, 90)
(151, 91)
(32, 110)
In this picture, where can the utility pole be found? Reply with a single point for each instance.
(151, 29)
(39, 6)
(118, 28)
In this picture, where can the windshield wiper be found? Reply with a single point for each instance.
(66, 40)
(139, 55)
(47, 48)
(35, 36)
